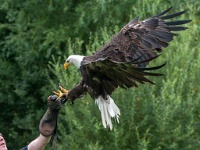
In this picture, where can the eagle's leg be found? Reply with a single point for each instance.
(61, 93)
(72, 94)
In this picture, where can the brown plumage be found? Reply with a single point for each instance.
(122, 62)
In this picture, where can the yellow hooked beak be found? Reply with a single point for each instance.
(66, 65)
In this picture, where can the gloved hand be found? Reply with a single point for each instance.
(48, 122)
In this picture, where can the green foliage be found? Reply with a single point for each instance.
(36, 37)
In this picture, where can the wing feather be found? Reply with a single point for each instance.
(118, 74)
(144, 39)
(122, 62)
(173, 15)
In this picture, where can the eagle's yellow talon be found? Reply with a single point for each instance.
(56, 93)
(63, 90)
(61, 93)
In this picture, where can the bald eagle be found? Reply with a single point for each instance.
(122, 62)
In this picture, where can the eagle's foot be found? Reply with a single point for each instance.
(62, 93)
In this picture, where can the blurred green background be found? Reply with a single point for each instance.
(36, 36)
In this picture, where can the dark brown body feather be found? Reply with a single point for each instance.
(122, 61)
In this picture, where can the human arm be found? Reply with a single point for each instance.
(47, 124)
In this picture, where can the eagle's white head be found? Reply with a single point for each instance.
(73, 59)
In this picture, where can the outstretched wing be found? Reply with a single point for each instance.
(118, 74)
(141, 40)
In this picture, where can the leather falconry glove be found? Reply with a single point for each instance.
(48, 123)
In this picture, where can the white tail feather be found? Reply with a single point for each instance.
(108, 110)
